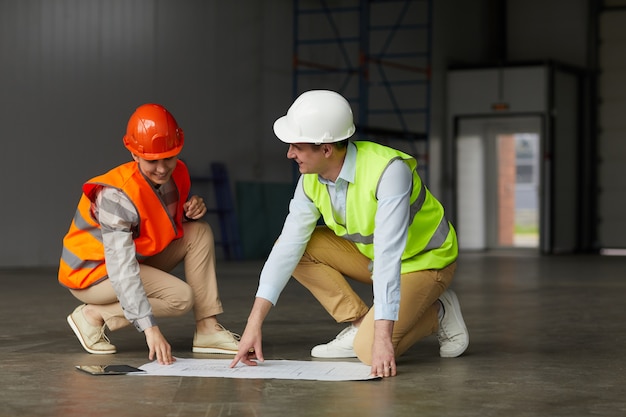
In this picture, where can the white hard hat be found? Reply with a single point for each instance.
(317, 116)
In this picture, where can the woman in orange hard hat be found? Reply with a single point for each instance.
(133, 225)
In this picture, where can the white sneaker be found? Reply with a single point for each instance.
(453, 336)
(341, 346)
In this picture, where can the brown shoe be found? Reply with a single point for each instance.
(220, 342)
(91, 337)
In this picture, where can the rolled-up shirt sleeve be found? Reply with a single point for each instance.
(117, 217)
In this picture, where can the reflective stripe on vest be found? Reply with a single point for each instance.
(85, 226)
(429, 231)
(82, 258)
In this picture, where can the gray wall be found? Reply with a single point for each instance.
(72, 71)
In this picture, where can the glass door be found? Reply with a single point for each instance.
(517, 190)
(498, 190)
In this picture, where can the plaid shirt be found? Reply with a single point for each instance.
(119, 223)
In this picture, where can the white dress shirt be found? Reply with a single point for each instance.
(392, 221)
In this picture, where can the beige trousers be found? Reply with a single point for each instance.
(328, 259)
(168, 295)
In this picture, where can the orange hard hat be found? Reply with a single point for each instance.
(152, 133)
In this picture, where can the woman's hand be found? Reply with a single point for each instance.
(194, 208)
(158, 346)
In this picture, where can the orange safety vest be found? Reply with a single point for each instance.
(82, 261)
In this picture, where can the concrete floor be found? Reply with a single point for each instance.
(547, 339)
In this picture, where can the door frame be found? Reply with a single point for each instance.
(490, 125)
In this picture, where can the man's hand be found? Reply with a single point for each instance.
(158, 346)
(250, 346)
(383, 355)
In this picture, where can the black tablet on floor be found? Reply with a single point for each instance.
(108, 369)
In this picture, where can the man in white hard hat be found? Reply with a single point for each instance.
(382, 227)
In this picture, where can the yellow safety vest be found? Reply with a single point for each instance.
(431, 240)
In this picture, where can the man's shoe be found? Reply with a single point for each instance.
(220, 342)
(91, 337)
(453, 336)
(341, 346)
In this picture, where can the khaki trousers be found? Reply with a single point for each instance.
(168, 295)
(328, 259)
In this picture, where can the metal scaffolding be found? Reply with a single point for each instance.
(377, 53)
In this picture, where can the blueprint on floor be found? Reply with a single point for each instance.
(270, 369)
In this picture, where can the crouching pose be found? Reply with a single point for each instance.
(381, 227)
(133, 225)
